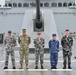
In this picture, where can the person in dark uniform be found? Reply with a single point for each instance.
(54, 49)
(67, 42)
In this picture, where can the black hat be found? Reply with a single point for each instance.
(67, 30)
(53, 34)
(38, 33)
(9, 31)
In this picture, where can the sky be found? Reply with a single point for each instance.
(2, 2)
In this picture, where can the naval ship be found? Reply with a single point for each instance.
(63, 11)
(56, 15)
(12, 15)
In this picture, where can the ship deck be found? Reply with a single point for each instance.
(32, 71)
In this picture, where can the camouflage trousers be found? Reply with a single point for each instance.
(39, 54)
(12, 57)
(67, 56)
(24, 53)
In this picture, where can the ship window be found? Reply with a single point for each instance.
(59, 4)
(54, 4)
(74, 4)
(5, 5)
(26, 5)
(10, 5)
(0, 5)
(19, 4)
(64, 4)
(46, 4)
(33, 4)
(70, 4)
(41, 4)
(14, 4)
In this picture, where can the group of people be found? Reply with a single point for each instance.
(24, 41)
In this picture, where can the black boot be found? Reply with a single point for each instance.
(64, 67)
(42, 67)
(69, 67)
(36, 67)
(52, 67)
(5, 67)
(55, 68)
(14, 67)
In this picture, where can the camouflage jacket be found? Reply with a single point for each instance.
(24, 41)
(67, 43)
(9, 42)
(39, 44)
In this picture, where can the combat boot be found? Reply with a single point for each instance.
(52, 68)
(69, 67)
(36, 67)
(55, 68)
(42, 67)
(14, 67)
(5, 67)
(64, 66)
(26, 66)
(21, 66)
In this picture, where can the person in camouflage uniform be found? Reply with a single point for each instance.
(67, 42)
(9, 43)
(24, 41)
(39, 50)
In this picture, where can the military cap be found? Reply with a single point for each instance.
(38, 33)
(67, 30)
(53, 34)
(23, 30)
(9, 31)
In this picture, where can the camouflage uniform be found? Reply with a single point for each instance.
(10, 43)
(39, 50)
(24, 48)
(67, 47)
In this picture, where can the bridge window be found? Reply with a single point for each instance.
(14, 4)
(70, 4)
(64, 4)
(5, 5)
(25, 4)
(33, 4)
(59, 4)
(54, 4)
(73, 4)
(19, 4)
(46, 4)
(41, 4)
(10, 5)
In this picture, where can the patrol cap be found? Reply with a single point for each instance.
(9, 31)
(38, 33)
(23, 30)
(67, 30)
(53, 34)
